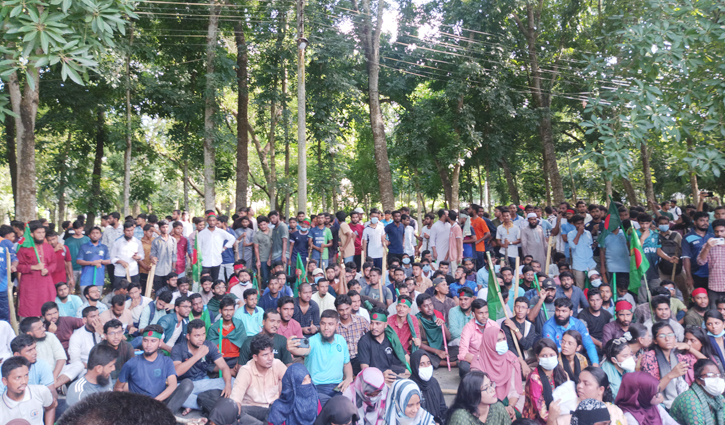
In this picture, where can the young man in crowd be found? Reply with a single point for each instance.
(376, 350)
(250, 314)
(431, 332)
(288, 327)
(227, 332)
(595, 317)
(114, 338)
(61, 326)
(562, 321)
(119, 312)
(620, 326)
(405, 324)
(126, 252)
(351, 327)
(460, 315)
(84, 339)
(270, 327)
(307, 313)
(51, 351)
(662, 313)
(163, 254)
(74, 243)
(173, 325)
(22, 401)
(101, 365)
(322, 297)
(66, 302)
(523, 330)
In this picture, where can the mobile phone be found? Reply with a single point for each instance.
(720, 241)
(710, 194)
(304, 342)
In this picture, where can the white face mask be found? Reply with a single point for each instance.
(628, 365)
(596, 283)
(714, 386)
(502, 347)
(549, 363)
(425, 373)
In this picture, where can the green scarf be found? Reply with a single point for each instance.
(433, 332)
(397, 346)
(714, 405)
(204, 316)
(213, 304)
(236, 336)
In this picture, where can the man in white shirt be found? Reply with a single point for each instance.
(188, 227)
(85, 338)
(409, 241)
(32, 403)
(126, 251)
(439, 236)
(211, 242)
(136, 304)
(373, 238)
(50, 350)
(509, 236)
(113, 231)
(324, 300)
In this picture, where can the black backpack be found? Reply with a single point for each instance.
(671, 248)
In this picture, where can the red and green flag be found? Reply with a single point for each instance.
(638, 264)
(611, 222)
(29, 242)
(196, 260)
(495, 308)
(300, 266)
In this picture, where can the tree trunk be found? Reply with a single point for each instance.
(272, 178)
(242, 118)
(285, 123)
(694, 189)
(513, 190)
(12, 155)
(647, 171)
(631, 194)
(209, 109)
(571, 176)
(127, 153)
(488, 187)
(186, 187)
(25, 105)
(608, 190)
(97, 168)
(63, 181)
(445, 181)
(547, 182)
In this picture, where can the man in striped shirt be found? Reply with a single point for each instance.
(101, 362)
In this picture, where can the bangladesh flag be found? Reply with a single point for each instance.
(300, 266)
(29, 242)
(495, 308)
(611, 222)
(638, 264)
(196, 260)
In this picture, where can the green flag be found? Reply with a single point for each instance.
(638, 264)
(196, 261)
(300, 266)
(495, 308)
(29, 242)
(611, 222)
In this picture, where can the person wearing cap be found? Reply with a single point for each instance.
(461, 314)
(153, 374)
(381, 349)
(533, 238)
(404, 322)
(700, 305)
(620, 325)
(544, 299)
(562, 321)
(211, 242)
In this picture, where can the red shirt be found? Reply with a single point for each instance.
(293, 328)
(357, 229)
(61, 257)
(403, 332)
(229, 349)
(181, 246)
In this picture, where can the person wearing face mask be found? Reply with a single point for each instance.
(422, 282)
(373, 239)
(404, 405)
(671, 243)
(495, 358)
(422, 374)
(595, 279)
(714, 325)
(594, 317)
(407, 265)
(700, 304)
(368, 393)
(703, 402)
(617, 359)
(542, 381)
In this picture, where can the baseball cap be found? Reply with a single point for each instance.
(318, 271)
(548, 283)
(358, 210)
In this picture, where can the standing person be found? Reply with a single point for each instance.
(126, 251)
(299, 245)
(7, 236)
(229, 252)
(163, 254)
(358, 229)
(440, 234)
(92, 256)
(482, 235)
(182, 247)
(509, 237)
(36, 284)
(321, 239)
(111, 232)
(245, 239)
(455, 241)
(580, 243)
(395, 233)
(424, 238)
(211, 242)
(409, 241)
(144, 266)
(703, 402)
(280, 236)
(263, 248)
(533, 239)
(712, 255)
(696, 274)
(476, 402)
(74, 243)
(373, 239)
(347, 238)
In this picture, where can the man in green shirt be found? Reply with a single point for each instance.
(74, 246)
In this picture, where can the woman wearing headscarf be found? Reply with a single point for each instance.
(640, 399)
(422, 374)
(403, 406)
(698, 339)
(570, 358)
(368, 393)
(495, 358)
(298, 403)
(476, 402)
(542, 381)
(339, 410)
(703, 403)
(590, 412)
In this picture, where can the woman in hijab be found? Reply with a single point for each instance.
(570, 358)
(503, 367)
(368, 393)
(640, 399)
(703, 403)
(591, 412)
(543, 381)
(403, 407)
(698, 339)
(298, 403)
(422, 374)
(339, 410)
(476, 402)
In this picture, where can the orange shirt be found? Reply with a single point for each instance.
(228, 349)
(480, 227)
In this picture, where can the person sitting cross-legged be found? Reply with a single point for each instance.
(381, 349)
(270, 325)
(101, 364)
(31, 404)
(227, 333)
(432, 327)
(114, 338)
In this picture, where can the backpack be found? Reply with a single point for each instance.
(671, 248)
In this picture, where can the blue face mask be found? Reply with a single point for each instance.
(479, 323)
(720, 335)
(406, 260)
(426, 268)
(304, 229)
(664, 227)
(317, 279)
(374, 220)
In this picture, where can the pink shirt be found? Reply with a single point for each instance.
(471, 338)
(293, 328)
(455, 237)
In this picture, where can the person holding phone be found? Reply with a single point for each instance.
(713, 255)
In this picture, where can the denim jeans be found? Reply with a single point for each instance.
(199, 387)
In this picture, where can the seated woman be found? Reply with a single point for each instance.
(570, 357)
(542, 381)
(403, 405)
(593, 384)
(591, 412)
(639, 340)
(338, 410)
(476, 402)
(698, 339)
(640, 399)
(422, 374)
(368, 394)
(298, 404)
(503, 366)
(670, 362)
(617, 360)
(703, 403)
(715, 330)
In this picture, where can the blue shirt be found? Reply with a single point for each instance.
(197, 372)
(326, 360)
(227, 254)
(267, 301)
(5, 247)
(692, 244)
(582, 254)
(617, 253)
(91, 252)
(318, 237)
(395, 236)
(565, 229)
(70, 306)
(455, 287)
(554, 332)
(145, 377)
(300, 246)
(252, 322)
(577, 298)
(40, 373)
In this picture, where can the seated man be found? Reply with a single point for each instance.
(324, 300)
(199, 310)
(270, 326)
(172, 284)
(121, 288)
(258, 385)
(173, 325)
(352, 327)
(643, 312)
(563, 321)
(472, 336)
(101, 364)
(136, 304)
(327, 359)
(84, 339)
(250, 314)
(620, 325)
(432, 327)
(661, 306)
(270, 298)
(61, 326)
(441, 300)
(23, 401)
(118, 311)
(595, 317)
(114, 338)
(460, 315)
(307, 313)
(701, 304)
(39, 373)
(289, 327)
(67, 302)
(182, 290)
(192, 359)
(227, 332)
(405, 324)
(93, 299)
(218, 289)
(50, 351)
(153, 374)
(154, 311)
(382, 350)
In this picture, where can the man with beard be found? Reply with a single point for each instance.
(114, 338)
(620, 326)
(701, 303)
(460, 315)
(92, 256)
(219, 291)
(307, 313)
(66, 303)
(376, 349)
(327, 359)
(153, 312)
(84, 339)
(50, 350)
(207, 282)
(199, 310)
(61, 326)
(358, 229)
(574, 293)
(173, 325)
(533, 238)
(661, 307)
(545, 299)
(101, 364)
(507, 273)
(40, 372)
(193, 359)
(172, 285)
(288, 327)
(595, 317)
(153, 374)
(352, 327)
(163, 254)
(431, 332)
(119, 312)
(462, 281)
(37, 266)
(563, 321)
(126, 251)
(270, 326)
(92, 294)
(228, 332)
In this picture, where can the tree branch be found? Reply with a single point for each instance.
(191, 183)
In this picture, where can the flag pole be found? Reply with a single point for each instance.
(445, 345)
(11, 305)
(548, 255)
(383, 277)
(516, 278)
(150, 281)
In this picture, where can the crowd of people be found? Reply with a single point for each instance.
(343, 319)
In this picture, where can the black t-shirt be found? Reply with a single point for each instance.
(378, 355)
(595, 229)
(280, 350)
(125, 353)
(595, 324)
(180, 353)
